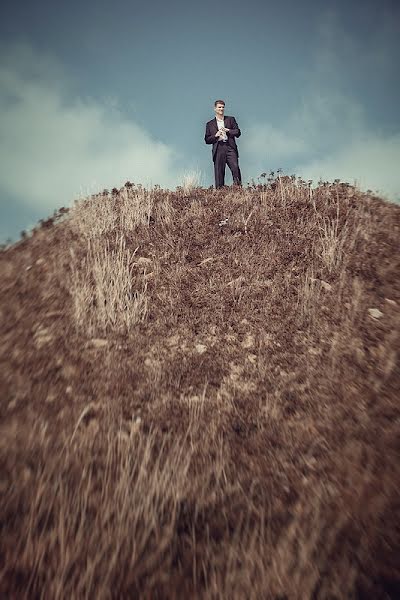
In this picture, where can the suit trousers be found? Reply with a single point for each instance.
(226, 154)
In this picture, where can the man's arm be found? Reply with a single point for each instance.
(234, 131)
(210, 138)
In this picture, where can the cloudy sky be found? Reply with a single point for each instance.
(95, 93)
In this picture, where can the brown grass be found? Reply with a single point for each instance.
(196, 399)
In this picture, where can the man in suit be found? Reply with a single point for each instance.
(221, 132)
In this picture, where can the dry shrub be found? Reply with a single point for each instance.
(238, 566)
(347, 344)
(303, 554)
(345, 340)
(308, 299)
(104, 290)
(112, 520)
(164, 212)
(191, 180)
(332, 242)
(106, 515)
(336, 527)
(337, 241)
(93, 217)
(127, 209)
(136, 207)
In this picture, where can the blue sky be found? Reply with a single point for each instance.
(93, 94)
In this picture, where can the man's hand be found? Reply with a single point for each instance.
(221, 131)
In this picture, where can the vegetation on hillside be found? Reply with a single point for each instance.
(200, 396)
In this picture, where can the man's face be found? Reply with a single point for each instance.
(219, 110)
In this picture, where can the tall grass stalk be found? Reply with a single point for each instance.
(103, 289)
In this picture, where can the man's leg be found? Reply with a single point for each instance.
(233, 164)
(219, 166)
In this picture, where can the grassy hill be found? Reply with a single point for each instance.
(200, 396)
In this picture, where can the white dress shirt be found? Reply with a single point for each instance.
(220, 123)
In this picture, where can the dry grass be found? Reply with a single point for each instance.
(121, 511)
(136, 206)
(191, 180)
(233, 434)
(124, 210)
(332, 242)
(93, 217)
(103, 288)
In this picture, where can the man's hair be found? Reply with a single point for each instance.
(219, 102)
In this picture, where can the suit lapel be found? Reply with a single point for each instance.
(216, 125)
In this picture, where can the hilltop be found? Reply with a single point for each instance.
(200, 396)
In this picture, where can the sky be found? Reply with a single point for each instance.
(93, 94)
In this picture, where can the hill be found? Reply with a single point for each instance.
(200, 396)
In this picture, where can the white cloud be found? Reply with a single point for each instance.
(371, 163)
(54, 149)
(330, 134)
(319, 124)
(281, 144)
(327, 137)
(350, 145)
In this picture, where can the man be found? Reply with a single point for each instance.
(221, 132)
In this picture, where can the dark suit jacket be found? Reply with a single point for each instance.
(212, 128)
